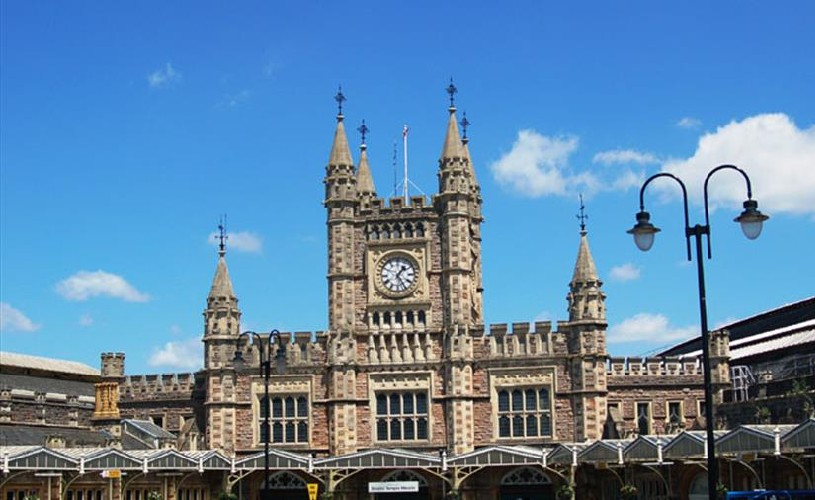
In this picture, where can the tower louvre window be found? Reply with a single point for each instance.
(524, 412)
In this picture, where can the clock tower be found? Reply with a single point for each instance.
(403, 265)
(404, 295)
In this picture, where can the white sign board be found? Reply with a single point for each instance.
(394, 487)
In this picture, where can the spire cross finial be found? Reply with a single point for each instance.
(222, 236)
(363, 129)
(581, 216)
(464, 124)
(340, 98)
(452, 90)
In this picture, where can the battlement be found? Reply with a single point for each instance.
(520, 340)
(650, 366)
(176, 383)
(416, 205)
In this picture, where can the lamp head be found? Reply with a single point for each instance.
(751, 220)
(643, 231)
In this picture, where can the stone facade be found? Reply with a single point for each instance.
(405, 361)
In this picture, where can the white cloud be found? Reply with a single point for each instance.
(86, 320)
(86, 284)
(241, 241)
(185, 354)
(163, 77)
(624, 156)
(688, 122)
(778, 156)
(535, 165)
(13, 320)
(625, 272)
(646, 327)
(539, 166)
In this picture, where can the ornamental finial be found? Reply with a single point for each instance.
(452, 90)
(340, 98)
(581, 216)
(363, 130)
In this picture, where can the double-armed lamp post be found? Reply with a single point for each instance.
(751, 221)
(267, 353)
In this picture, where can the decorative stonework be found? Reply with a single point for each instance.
(107, 400)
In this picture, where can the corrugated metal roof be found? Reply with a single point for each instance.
(45, 364)
(776, 339)
(796, 339)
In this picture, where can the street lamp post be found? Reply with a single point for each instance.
(265, 350)
(751, 221)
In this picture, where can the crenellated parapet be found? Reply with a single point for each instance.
(522, 340)
(652, 366)
(157, 386)
(397, 206)
(304, 348)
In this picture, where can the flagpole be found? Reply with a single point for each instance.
(404, 149)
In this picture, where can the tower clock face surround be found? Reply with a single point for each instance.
(398, 275)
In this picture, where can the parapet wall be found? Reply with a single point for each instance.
(521, 339)
(652, 366)
(170, 386)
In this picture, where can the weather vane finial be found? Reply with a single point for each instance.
(451, 89)
(581, 216)
(464, 124)
(340, 98)
(363, 130)
(222, 236)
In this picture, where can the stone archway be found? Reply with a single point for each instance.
(526, 483)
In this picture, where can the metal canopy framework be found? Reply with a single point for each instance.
(753, 439)
(685, 446)
(499, 455)
(380, 459)
(278, 460)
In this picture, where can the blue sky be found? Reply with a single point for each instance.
(127, 129)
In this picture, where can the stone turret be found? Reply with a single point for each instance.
(586, 340)
(222, 320)
(222, 317)
(106, 414)
(586, 299)
(340, 202)
(459, 205)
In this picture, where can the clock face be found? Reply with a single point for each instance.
(398, 274)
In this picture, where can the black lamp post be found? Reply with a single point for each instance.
(751, 221)
(266, 350)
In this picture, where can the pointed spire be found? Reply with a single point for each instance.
(586, 299)
(221, 283)
(340, 151)
(453, 147)
(365, 181)
(584, 269)
(465, 143)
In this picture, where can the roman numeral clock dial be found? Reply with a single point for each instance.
(398, 275)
